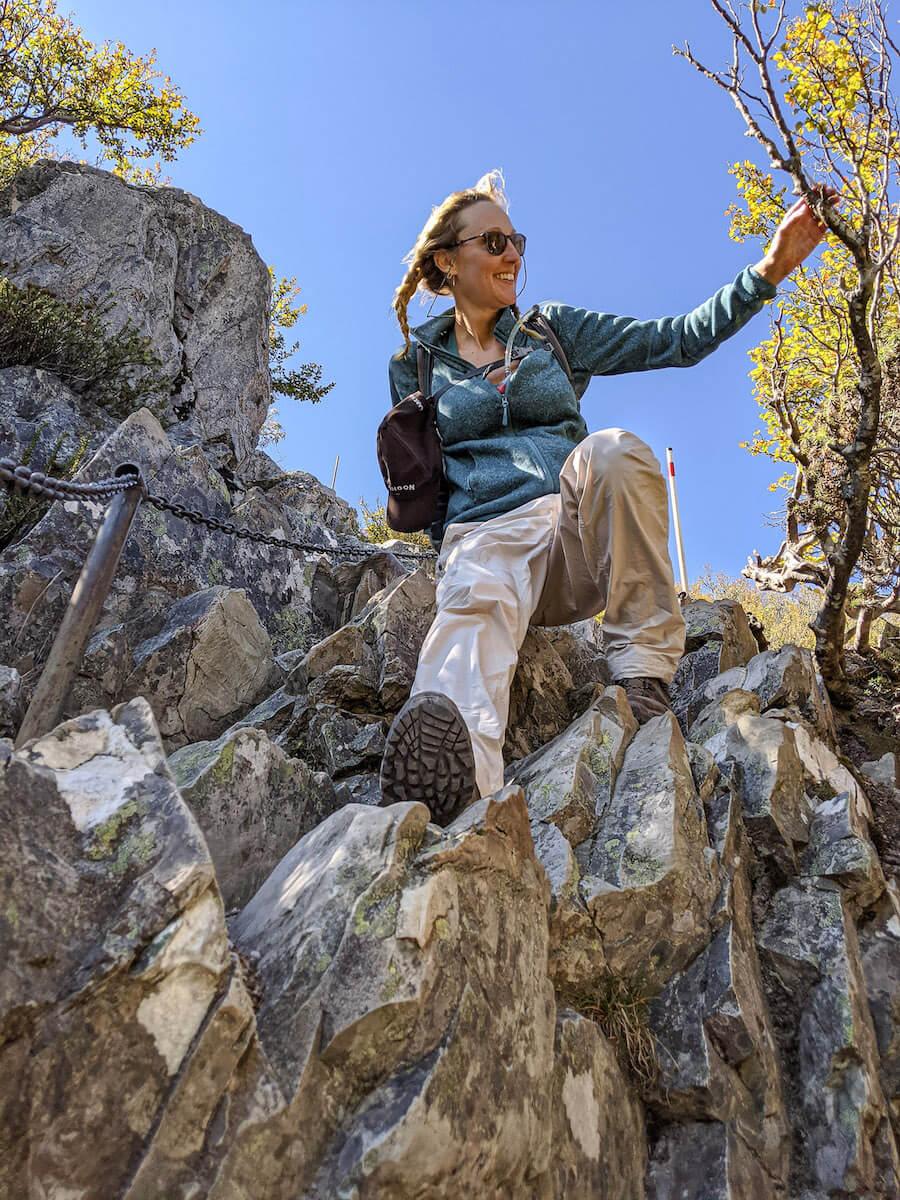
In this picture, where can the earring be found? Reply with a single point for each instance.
(525, 280)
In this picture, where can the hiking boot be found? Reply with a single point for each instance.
(428, 758)
(647, 697)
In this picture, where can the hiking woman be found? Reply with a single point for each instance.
(545, 523)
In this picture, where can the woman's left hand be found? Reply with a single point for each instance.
(797, 236)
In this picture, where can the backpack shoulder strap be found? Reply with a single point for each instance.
(424, 368)
(540, 322)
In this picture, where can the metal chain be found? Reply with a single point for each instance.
(21, 478)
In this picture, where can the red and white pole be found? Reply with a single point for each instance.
(676, 520)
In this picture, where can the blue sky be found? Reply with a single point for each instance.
(332, 128)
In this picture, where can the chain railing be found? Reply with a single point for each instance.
(123, 494)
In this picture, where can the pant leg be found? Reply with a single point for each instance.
(610, 552)
(489, 577)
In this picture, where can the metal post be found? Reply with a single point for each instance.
(82, 614)
(676, 520)
(334, 476)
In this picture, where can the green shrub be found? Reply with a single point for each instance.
(72, 340)
(374, 527)
(22, 511)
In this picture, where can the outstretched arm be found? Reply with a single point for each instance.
(797, 236)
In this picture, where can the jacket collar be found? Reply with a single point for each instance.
(433, 333)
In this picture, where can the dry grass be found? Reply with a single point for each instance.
(621, 1008)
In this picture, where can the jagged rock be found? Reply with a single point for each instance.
(369, 937)
(538, 697)
(208, 664)
(842, 1137)
(834, 849)
(12, 701)
(179, 272)
(568, 783)
(699, 1158)
(760, 755)
(598, 1142)
(716, 1049)
(720, 713)
(252, 803)
(647, 876)
(580, 646)
(117, 983)
(694, 671)
(720, 621)
(164, 559)
(340, 592)
(879, 948)
(342, 743)
(884, 770)
(359, 789)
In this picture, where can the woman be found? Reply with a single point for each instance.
(545, 524)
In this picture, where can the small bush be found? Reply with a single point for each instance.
(72, 340)
(784, 617)
(22, 511)
(374, 527)
(622, 1010)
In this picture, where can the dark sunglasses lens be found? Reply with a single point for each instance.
(495, 241)
(518, 240)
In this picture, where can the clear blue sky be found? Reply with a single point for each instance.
(332, 128)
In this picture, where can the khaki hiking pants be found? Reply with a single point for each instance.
(601, 544)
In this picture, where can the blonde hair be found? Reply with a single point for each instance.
(440, 232)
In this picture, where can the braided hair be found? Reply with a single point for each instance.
(442, 230)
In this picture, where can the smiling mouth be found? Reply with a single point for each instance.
(506, 277)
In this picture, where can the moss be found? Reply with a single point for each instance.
(12, 916)
(222, 770)
(322, 962)
(136, 848)
(291, 630)
(215, 572)
(391, 985)
(442, 928)
(107, 834)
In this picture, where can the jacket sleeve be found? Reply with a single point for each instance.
(603, 344)
(403, 378)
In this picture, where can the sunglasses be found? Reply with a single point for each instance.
(495, 241)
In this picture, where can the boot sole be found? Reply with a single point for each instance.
(428, 758)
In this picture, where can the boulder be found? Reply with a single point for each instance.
(842, 1139)
(206, 666)
(885, 770)
(12, 701)
(698, 1158)
(180, 273)
(538, 697)
(723, 622)
(647, 877)
(879, 952)
(252, 803)
(118, 993)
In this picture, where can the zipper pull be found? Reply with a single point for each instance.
(505, 404)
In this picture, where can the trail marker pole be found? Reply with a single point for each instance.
(334, 476)
(676, 520)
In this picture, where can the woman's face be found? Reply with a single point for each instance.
(484, 280)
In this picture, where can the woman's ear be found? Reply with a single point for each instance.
(443, 260)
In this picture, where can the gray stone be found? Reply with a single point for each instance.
(834, 849)
(647, 871)
(12, 701)
(116, 972)
(842, 1136)
(884, 770)
(343, 744)
(722, 712)
(722, 621)
(207, 665)
(705, 1159)
(538, 698)
(760, 755)
(597, 1134)
(879, 949)
(787, 679)
(568, 783)
(180, 273)
(696, 670)
(252, 803)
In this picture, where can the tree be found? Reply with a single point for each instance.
(303, 383)
(827, 379)
(53, 79)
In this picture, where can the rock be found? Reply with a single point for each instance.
(580, 647)
(835, 850)
(12, 701)
(722, 621)
(180, 273)
(694, 671)
(842, 1140)
(568, 783)
(879, 948)
(538, 697)
(369, 937)
(721, 713)
(693, 1158)
(760, 756)
(252, 803)
(597, 1135)
(884, 770)
(207, 665)
(116, 975)
(341, 743)
(647, 877)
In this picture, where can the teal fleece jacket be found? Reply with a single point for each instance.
(502, 451)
